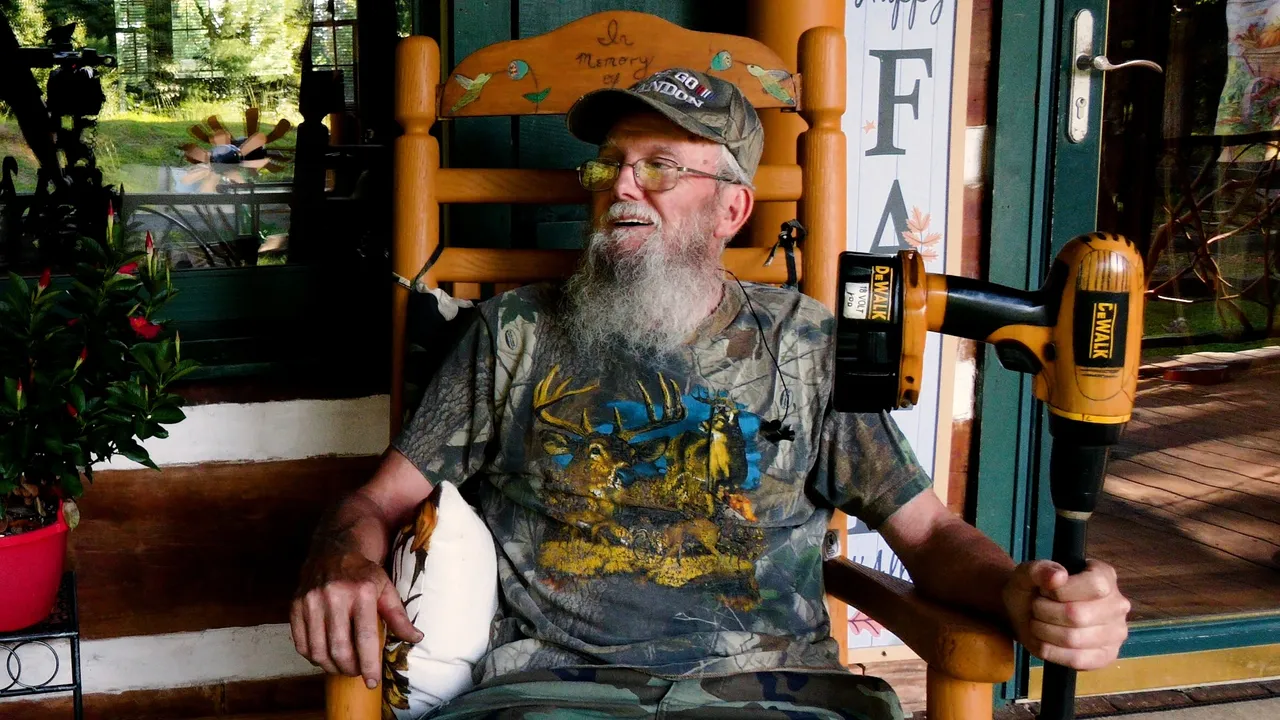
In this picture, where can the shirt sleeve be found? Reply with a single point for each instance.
(448, 436)
(866, 467)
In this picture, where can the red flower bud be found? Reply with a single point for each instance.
(145, 329)
(71, 410)
(84, 354)
(151, 246)
(73, 322)
(129, 269)
(45, 278)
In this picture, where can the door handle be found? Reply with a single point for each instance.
(1083, 70)
(1085, 63)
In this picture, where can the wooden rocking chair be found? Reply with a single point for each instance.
(544, 75)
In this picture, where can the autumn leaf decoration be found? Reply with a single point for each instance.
(858, 623)
(918, 237)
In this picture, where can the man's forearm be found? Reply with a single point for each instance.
(356, 524)
(960, 566)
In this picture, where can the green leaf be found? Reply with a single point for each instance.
(182, 371)
(145, 354)
(49, 296)
(77, 398)
(537, 97)
(71, 485)
(11, 392)
(168, 415)
(135, 452)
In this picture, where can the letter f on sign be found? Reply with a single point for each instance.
(890, 100)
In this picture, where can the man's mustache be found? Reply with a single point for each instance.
(625, 209)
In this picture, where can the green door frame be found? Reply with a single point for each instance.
(1044, 192)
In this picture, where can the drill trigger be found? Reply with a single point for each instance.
(1015, 356)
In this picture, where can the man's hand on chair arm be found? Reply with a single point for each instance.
(1079, 621)
(343, 588)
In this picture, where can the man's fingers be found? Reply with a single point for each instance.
(298, 628)
(1079, 638)
(1048, 576)
(392, 610)
(338, 629)
(1091, 659)
(1085, 613)
(368, 650)
(1097, 581)
(317, 643)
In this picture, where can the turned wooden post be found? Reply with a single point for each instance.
(779, 25)
(416, 227)
(821, 151)
(952, 699)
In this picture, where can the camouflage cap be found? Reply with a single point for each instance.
(706, 106)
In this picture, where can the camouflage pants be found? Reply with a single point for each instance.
(606, 693)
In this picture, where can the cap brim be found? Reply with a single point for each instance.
(595, 113)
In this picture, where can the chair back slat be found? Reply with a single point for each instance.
(561, 187)
(544, 75)
(522, 266)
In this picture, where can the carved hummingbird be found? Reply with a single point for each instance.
(771, 80)
(472, 87)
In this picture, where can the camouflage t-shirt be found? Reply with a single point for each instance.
(647, 513)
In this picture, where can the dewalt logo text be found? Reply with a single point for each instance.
(881, 293)
(1102, 342)
(1099, 329)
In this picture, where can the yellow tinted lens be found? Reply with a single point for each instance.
(652, 176)
(597, 175)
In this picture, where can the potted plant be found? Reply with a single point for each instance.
(85, 373)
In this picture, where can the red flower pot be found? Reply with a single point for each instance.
(30, 572)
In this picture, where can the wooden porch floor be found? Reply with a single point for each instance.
(1190, 515)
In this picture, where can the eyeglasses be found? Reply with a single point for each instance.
(651, 174)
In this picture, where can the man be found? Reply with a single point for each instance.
(657, 534)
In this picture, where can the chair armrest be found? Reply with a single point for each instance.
(956, 644)
(347, 698)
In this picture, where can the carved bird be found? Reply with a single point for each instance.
(772, 82)
(472, 87)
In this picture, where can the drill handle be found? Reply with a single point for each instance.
(1017, 323)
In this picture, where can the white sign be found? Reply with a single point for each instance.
(899, 129)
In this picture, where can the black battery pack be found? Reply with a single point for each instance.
(869, 299)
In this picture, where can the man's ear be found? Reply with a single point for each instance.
(736, 204)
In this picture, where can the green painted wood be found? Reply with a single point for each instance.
(1006, 498)
(467, 26)
(308, 325)
(1180, 637)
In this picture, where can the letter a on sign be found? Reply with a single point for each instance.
(896, 210)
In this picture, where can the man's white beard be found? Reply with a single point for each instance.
(646, 301)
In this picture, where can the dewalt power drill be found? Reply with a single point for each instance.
(1079, 335)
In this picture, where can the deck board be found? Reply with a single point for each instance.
(1190, 515)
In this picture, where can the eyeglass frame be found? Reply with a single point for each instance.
(635, 173)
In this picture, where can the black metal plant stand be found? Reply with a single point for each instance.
(63, 622)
